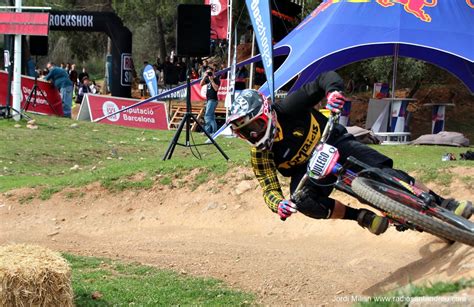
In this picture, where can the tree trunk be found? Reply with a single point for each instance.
(415, 88)
(161, 38)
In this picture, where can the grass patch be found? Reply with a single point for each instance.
(200, 178)
(166, 180)
(122, 184)
(74, 194)
(425, 161)
(48, 192)
(45, 158)
(124, 284)
(402, 297)
(24, 199)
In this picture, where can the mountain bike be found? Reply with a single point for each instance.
(406, 206)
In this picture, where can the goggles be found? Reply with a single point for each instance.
(253, 130)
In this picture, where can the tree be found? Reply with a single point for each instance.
(154, 23)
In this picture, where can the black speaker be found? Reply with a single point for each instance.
(193, 32)
(39, 45)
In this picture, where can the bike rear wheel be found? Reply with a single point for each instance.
(402, 204)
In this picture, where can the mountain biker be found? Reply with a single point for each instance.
(283, 136)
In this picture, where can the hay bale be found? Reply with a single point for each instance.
(34, 276)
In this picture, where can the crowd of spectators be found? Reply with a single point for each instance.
(78, 79)
(71, 84)
(172, 71)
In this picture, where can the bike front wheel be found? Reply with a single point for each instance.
(402, 204)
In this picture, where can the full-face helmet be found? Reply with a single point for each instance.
(252, 119)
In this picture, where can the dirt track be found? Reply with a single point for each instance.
(216, 231)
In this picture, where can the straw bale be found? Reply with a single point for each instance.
(34, 276)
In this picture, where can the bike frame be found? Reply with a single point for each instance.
(324, 162)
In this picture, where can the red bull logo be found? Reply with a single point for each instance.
(321, 8)
(414, 7)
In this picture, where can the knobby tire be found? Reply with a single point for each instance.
(362, 187)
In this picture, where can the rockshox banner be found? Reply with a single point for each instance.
(259, 12)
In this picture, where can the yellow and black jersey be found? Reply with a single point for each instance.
(299, 129)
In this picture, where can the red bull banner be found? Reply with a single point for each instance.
(381, 90)
(47, 100)
(399, 114)
(219, 20)
(438, 118)
(345, 114)
(152, 115)
(417, 8)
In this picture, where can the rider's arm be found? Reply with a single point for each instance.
(311, 93)
(266, 173)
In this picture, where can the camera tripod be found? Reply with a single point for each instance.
(188, 116)
(34, 93)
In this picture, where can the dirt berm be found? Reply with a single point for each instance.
(216, 230)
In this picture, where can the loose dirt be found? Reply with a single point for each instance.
(217, 230)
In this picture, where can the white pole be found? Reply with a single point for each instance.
(16, 93)
(229, 34)
(252, 64)
(395, 68)
(229, 45)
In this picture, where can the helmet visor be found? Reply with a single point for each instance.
(254, 130)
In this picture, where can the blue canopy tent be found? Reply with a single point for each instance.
(340, 32)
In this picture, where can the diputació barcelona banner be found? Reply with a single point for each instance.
(152, 115)
(49, 104)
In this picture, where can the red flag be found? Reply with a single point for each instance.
(219, 21)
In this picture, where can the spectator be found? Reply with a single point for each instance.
(83, 74)
(171, 73)
(61, 81)
(95, 88)
(224, 75)
(204, 68)
(194, 74)
(213, 83)
(73, 74)
(159, 73)
(182, 69)
(43, 73)
(241, 76)
(83, 89)
(142, 83)
(195, 63)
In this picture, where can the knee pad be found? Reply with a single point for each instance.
(312, 206)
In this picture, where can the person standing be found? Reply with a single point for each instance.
(83, 89)
(142, 84)
(83, 74)
(60, 79)
(213, 84)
